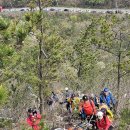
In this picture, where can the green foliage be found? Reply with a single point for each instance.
(5, 53)
(22, 29)
(77, 51)
(53, 46)
(43, 124)
(27, 17)
(103, 33)
(6, 36)
(85, 59)
(5, 123)
(44, 3)
(74, 18)
(32, 4)
(4, 23)
(125, 119)
(15, 3)
(3, 95)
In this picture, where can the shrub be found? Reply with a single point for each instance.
(125, 119)
(3, 95)
(4, 23)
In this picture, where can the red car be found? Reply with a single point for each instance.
(1, 8)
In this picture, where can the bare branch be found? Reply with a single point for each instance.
(104, 48)
(43, 52)
(125, 74)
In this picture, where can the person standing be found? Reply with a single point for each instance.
(107, 98)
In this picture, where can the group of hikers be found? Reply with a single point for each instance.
(99, 109)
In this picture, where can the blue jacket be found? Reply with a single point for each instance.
(109, 99)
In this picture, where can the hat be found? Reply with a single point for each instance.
(30, 110)
(66, 88)
(85, 98)
(92, 95)
(72, 95)
(100, 115)
(104, 110)
(105, 90)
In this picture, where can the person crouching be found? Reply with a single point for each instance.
(103, 122)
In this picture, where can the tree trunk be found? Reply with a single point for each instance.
(112, 3)
(119, 72)
(118, 77)
(116, 4)
(79, 70)
(40, 60)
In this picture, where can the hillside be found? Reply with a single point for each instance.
(45, 52)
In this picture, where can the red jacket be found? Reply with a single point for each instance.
(34, 121)
(88, 108)
(104, 123)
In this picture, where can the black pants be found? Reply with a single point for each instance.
(68, 107)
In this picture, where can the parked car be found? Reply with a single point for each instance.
(22, 9)
(109, 12)
(66, 9)
(1, 9)
(51, 9)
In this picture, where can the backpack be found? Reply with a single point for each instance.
(103, 97)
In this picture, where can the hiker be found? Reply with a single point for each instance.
(73, 102)
(66, 97)
(106, 111)
(69, 103)
(67, 93)
(88, 106)
(33, 119)
(49, 102)
(54, 97)
(88, 110)
(95, 100)
(103, 122)
(29, 112)
(107, 98)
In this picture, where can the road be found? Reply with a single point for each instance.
(72, 10)
(84, 10)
